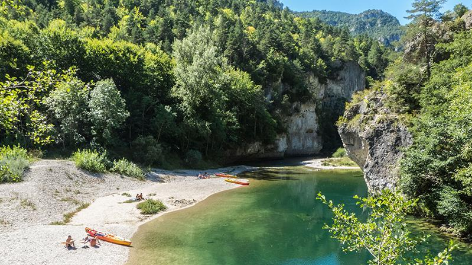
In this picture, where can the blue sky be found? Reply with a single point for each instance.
(395, 7)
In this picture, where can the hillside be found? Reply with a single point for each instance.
(188, 78)
(377, 24)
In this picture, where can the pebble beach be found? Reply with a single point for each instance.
(31, 212)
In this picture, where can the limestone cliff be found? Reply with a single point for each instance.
(310, 125)
(374, 138)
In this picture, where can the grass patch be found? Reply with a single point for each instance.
(90, 160)
(341, 152)
(57, 223)
(28, 204)
(4, 222)
(339, 162)
(13, 162)
(151, 194)
(71, 200)
(68, 216)
(126, 194)
(130, 201)
(151, 206)
(127, 168)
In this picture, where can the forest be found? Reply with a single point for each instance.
(173, 79)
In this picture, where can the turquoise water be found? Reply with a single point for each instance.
(276, 220)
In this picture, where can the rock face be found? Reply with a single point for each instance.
(304, 135)
(374, 138)
(467, 17)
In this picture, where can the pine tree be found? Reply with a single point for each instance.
(423, 14)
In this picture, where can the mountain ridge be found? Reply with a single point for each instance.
(376, 23)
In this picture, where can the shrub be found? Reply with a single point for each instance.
(90, 160)
(13, 162)
(339, 162)
(146, 150)
(384, 231)
(151, 206)
(193, 157)
(127, 168)
(341, 152)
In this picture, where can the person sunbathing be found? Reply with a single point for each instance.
(70, 242)
(94, 241)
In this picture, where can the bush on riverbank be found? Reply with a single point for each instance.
(385, 231)
(13, 162)
(127, 168)
(341, 152)
(90, 160)
(151, 206)
(339, 162)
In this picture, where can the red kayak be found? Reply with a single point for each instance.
(222, 175)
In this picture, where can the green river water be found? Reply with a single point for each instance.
(276, 220)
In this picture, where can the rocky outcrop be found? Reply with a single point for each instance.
(467, 18)
(304, 125)
(374, 138)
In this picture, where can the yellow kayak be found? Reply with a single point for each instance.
(108, 237)
(237, 182)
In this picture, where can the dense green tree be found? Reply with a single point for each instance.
(107, 111)
(68, 106)
(436, 168)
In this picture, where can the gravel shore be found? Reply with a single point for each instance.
(318, 164)
(52, 188)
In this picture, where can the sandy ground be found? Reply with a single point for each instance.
(318, 164)
(52, 188)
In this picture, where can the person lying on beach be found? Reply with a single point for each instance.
(86, 239)
(70, 242)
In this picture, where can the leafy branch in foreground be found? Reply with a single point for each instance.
(384, 234)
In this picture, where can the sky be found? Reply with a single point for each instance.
(395, 7)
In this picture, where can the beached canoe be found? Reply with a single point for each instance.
(222, 175)
(237, 182)
(108, 237)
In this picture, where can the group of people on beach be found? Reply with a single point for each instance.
(139, 197)
(203, 176)
(93, 240)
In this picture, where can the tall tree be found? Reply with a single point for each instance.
(424, 13)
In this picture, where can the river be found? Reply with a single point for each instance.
(276, 220)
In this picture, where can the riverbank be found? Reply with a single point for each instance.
(52, 188)
(317, 163)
